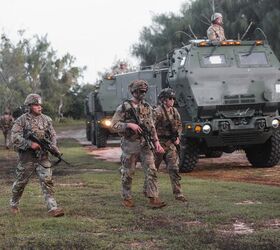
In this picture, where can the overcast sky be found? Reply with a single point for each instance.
(96, 32)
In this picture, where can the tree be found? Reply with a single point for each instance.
(169, 31)
(32, 66)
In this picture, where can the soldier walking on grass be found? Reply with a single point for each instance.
(169, 127)
(31, 157)
(6, 123)
(133, 144)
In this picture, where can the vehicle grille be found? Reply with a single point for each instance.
(236, 99)
(240, 138)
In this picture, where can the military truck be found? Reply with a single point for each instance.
(113, 90)
(228, 95)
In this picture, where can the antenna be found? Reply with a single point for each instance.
(246, 31)
(190, 28)
(264, 35)
(212, 5)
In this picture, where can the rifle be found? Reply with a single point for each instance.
(146, 134)
(46, 146)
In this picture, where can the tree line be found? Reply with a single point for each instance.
(31, 65)
(169, 31)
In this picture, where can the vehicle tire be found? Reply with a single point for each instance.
(265, 155)
(213, 153)
(88, 132)
(93, 135)
(188, 155)
(101, 137)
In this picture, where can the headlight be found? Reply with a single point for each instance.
(107, 122)
(206, 129)
(275, 123)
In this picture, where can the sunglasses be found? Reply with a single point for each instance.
(171, 98)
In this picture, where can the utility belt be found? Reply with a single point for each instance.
(166, 137)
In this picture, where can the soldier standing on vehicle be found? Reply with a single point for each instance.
(6, 123)
(31, 157)
(169, 127)
(216, 31)
(134, 147)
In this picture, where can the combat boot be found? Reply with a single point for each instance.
(57, 212)
(15, 210)
(128, 203)
(181, 198)
(155, 202)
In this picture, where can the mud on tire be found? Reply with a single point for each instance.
(188, 155)
(265, 155)
(101, 136)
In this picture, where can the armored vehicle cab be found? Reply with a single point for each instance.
(228, 95)
(101, 104)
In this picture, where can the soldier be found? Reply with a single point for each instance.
(6, 123)
(169, 127)
(216, 32)
(31, 157)
(134, 147)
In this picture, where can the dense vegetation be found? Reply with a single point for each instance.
(162, 36)
(31, 65)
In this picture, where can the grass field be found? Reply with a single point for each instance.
(220, 215)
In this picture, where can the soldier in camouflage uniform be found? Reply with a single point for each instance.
(169, 127)
(31, 157)
(6, 123)
(216, 31)
(134, 147)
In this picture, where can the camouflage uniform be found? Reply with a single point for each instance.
(216, 33)
(31, 161)
(6, 123)
(134, 147)
(167, 132)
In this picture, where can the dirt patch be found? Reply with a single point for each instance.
(147, 244)
(235, 167)
(248, 202)
(273, 224)
(237, 228)
(111, 154)
(80, 184)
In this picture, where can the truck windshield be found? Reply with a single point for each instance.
(255, 58)
(214, 60)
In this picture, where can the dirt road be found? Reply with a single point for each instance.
(230, 167)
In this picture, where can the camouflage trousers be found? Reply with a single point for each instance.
(133, 152)
(171, 159)
(24, 171)
(7, 137)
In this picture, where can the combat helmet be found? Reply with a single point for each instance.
(166, 93)
(141, 85)
(33, 99)
(215, 16)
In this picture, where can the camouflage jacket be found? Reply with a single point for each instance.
(167, 128)
(216, 33)
(6, 122)
(123, 115)
(40, 125)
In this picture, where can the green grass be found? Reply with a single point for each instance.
(68, 123)
(95, 218)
